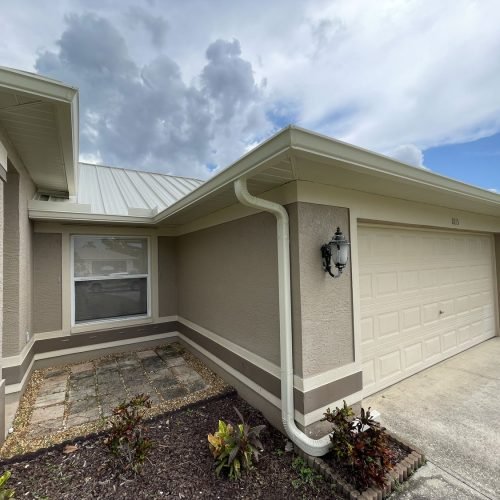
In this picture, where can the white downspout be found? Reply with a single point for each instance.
(314, 447)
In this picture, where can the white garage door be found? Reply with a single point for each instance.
(425, 295)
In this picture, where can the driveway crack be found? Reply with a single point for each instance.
(461, 480)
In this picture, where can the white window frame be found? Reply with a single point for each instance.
(99, 278)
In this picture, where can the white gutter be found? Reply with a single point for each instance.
(314, 447)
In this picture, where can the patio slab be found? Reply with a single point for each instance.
(60, 401)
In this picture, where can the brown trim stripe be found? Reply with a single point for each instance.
(269, 382)
(15, 374)
(304, 402)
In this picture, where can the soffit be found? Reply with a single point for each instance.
(277, 174)
(39, 118)
(343, 174)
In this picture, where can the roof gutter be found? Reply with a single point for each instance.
(314, 447)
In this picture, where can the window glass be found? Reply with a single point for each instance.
(103, 256)
(110, 277)
(110, 299)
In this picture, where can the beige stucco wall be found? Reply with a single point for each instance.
(17, 260)
(2, 380)
(293, 214)
(1, 268)
(47, 295)
(11, 264)
(497, 257)
(26, 192)
(323, 309)
(228, 282)
(167, 277)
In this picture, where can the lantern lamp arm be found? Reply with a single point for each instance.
(326, 254)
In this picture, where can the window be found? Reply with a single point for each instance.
(110, 277)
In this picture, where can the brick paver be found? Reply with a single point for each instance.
(90, 391)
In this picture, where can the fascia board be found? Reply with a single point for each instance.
(36, 85)
(3, 159)
(62, 216)
(367, 161)
(248, 165)
(59, 206)
(67, 119)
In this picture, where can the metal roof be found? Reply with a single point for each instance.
(119, 191)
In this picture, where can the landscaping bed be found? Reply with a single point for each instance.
(406, 460)
(179, 466)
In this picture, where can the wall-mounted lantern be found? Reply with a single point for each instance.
(337, 250)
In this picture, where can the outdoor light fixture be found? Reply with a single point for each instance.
(338, 251)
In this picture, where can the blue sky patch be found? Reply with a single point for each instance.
(476, 162)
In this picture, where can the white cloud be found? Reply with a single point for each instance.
(377, 74)
(410, 154)
(91, 158)
(146, 116)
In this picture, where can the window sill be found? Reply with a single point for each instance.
(106, 324)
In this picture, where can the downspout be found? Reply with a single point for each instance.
(314, 447)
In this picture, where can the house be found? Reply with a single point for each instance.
(98, 259)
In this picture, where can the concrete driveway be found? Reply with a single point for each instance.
(452, 412)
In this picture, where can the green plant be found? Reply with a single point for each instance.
(4, 491)
(127, 438)
(361, 444)
(234, 447)
(307, 476)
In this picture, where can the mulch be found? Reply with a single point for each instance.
(179, 466)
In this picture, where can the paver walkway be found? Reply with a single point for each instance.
(87, 392)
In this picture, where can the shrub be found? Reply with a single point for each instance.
(127, 438)
(307, 476)
(361, 444)
(5, 492)
(234, 447)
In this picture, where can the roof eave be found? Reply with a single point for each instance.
(293, 141)
(325, 147)
(250, 164)
(65, 97)
(81, 217)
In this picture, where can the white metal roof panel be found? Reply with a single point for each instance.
(119, 191)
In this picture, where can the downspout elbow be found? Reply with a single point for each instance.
(314, 447)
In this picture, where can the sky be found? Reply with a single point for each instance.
(187, 87)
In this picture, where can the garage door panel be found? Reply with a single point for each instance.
(449, 342)
(369, 378)
(413, 355)
(411, 318)
(432, 348)
(464, 335)
(409, 281)
(367, 331)
(421, 300)
(388, 324)
(365, 286)
(386, 284)
(389, 364)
